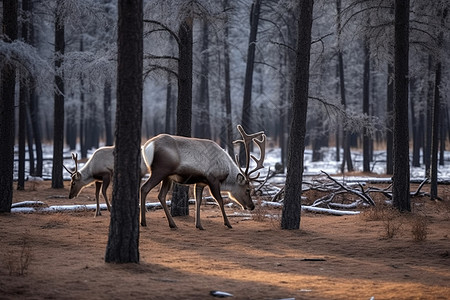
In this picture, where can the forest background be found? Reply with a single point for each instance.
(243, 55)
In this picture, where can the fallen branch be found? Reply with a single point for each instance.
(362, 194)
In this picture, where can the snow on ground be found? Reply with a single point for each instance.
(328, 164)
(312, 170)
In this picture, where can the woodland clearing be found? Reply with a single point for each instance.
(373, 254)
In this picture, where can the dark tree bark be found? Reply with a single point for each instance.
(123, 238)
(203, 125)
(246, 121)
(346, 137)
(23, 103)
(8, 83)
(436, 115)
(71, 126)
(415, 124)
(292, 202)
(282, 110)
(34, 112)
(83, 146)
(228, 117)
(338, 127)
(58, 117)
(400, 186)
(82, 132)
(27, 35)
(180, 195)
(429, 112)
(435, 133)
(442, 133)
(390, 121)
(29, 130)
(169, 108)
(107, 99)
(366, 96)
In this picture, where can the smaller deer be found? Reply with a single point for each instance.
(99, 169)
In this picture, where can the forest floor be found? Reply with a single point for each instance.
(374, 255)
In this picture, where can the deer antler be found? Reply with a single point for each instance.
(260, 139)
(259, 162)
(75, 158)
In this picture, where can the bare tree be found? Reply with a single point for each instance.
(400, 187)
(347, 159)
(58, 118)
(8, 85)
(292, 202)
(437, 115)
(228, 118)
(123, 238)
(202, 123)
(248, 83)
(180, 195)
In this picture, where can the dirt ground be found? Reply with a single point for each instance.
(61, 255)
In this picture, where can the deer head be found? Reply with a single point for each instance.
(75, 183)
(246, 176)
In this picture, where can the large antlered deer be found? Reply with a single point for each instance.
(99, 169)
(203, 163)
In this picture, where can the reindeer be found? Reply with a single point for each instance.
(99, 169)
(202, 163)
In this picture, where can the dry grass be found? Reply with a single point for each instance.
(419, 228)
(17, 262)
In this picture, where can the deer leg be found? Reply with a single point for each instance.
(98, 185)
(162, 199)
(198, 201)
(215, 191)
(105, 185)
(146, 187)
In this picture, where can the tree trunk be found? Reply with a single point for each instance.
(246, 121)
(8, 83)
(435, 133)
(29, 130)
(390, 121)
(400, 186)
(34, 112)
(83, 146)
(123, 238)
(169, 108)
(427, 147)
(436, 115)
(366, 95)
(58, 116)
(415, 124)
(27, 35)
(442, 134)
(109, 139)
(229, 117)
(23, 102)
(292, 202)
(203, 125)
(180, 195)
(346, 137)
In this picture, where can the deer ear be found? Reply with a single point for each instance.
(240, 179)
